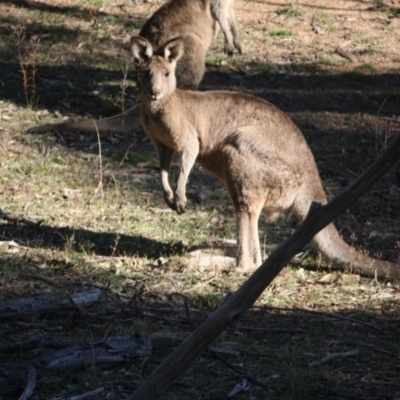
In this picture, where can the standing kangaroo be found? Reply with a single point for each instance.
(250, 145)
(192, 20)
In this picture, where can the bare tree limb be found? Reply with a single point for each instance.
(318, 217)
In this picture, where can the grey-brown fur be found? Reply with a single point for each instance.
(250, 145)
(192, 20)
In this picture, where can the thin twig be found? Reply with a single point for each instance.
(123, 86)
(376, 125)
(201, 284)
(333, 356)
(110, 324)
(373, 348)
(40, 278)
(187, 311)
(126, 154)
(329, 393)
(100, 286)
(100, 185)
(355, 321)
(268, 330)
(238, 372)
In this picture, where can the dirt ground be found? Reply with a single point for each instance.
(81, 213)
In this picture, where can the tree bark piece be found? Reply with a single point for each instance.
(30, 306)
(318, 217)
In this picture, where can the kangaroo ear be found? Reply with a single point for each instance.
(141, 49)
(173, 50)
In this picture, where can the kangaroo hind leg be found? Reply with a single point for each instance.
(219, 10)
(248, 244)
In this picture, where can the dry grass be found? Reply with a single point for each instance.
(123, 239)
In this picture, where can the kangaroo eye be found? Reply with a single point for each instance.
(166, 74)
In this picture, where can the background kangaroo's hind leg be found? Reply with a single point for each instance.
(235, 30)
(224, 14)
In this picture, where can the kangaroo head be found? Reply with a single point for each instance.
(156, 71)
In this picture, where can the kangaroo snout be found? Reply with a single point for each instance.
(155, 94)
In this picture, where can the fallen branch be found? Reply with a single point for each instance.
(114, 350)
(318, 217)
(263, 331)
(30, 306)
(331, 357)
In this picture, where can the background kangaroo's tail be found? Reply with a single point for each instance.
(127, 121)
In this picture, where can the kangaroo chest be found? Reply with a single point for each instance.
(161, 131)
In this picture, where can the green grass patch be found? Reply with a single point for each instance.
(393, 12)
(281, 33)
(289, 11)
(329, 61)
(364, 69)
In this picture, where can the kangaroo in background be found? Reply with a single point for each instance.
(195, 21)
(254, 148)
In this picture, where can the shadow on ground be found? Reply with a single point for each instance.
(36, 235)
(281, 352)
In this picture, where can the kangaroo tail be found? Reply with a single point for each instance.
(332, 247)
(344, 257)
